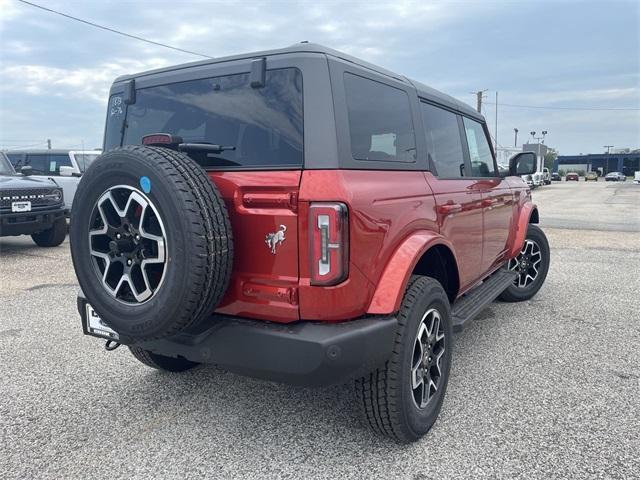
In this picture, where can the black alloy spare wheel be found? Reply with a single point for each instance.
(151, 241)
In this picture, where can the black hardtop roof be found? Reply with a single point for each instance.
(423, 90)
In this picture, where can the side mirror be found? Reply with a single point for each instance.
(66, 171)
(26, 170)
(523, 163)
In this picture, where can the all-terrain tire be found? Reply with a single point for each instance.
(161, 362)
(385, 395)
(514, 293)
(52, 237)
(199, 243)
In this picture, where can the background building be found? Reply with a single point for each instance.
(627, 163)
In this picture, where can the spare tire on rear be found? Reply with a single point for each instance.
(151, 241)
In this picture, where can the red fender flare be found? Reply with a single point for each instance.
(521, 228)
(393, 282)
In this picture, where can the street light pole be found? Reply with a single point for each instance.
(496, 131)
(607, 147)
(544, 134)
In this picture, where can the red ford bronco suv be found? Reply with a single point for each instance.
(303, 216)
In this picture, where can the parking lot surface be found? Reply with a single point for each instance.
(547, 388)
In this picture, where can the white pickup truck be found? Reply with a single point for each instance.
(65, 167)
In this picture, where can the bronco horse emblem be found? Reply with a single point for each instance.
(273, 239)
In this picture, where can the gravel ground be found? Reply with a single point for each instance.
(543, 389)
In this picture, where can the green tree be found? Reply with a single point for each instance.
(550, 157)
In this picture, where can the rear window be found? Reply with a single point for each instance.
(265, 125)
(380, 124)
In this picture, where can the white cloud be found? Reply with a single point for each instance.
(8, 11)
(81, 83)
(457, 46)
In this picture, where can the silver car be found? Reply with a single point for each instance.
(615, 177)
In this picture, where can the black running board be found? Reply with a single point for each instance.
(471, 304)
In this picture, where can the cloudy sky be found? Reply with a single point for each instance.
(578, 61)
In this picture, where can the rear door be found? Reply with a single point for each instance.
(258, 175)
(458, 197)
(497, 197)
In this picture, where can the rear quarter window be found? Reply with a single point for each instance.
(380, 124)
(265, 125)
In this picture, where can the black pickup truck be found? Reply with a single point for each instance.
(30, 206)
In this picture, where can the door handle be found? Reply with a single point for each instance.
(449, 208)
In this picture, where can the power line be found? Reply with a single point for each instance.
(108, 29)
(25, 146)
(603, 109)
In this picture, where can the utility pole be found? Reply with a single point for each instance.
(496, 137)
(48, 144)
(515, 141)
(479, 95)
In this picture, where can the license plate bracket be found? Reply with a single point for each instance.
(93, 325)
(19, 207)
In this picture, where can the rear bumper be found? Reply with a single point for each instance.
(302, 353)
(26, 223)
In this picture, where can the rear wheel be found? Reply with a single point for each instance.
(52, 237)
(531, 265)
(402, 399)
(160, 362)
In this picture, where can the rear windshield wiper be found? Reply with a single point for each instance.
(205, 147)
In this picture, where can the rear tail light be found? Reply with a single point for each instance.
(329, 225)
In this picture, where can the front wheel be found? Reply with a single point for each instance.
(52, 237)
(531, 265)
(402, 399)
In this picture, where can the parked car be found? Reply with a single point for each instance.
(66, 166)
(30, 206)
(333, 233)
(636, 177)
(572, 176)
(528, 179)
(615, 177)
(589, 176)
(538, 179)
(555, 177)
(546, 176)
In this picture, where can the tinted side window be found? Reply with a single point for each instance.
(16, 159)
(443, 141)
(479, 150)
(56, 161)
(380, 122)
(38, 162)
